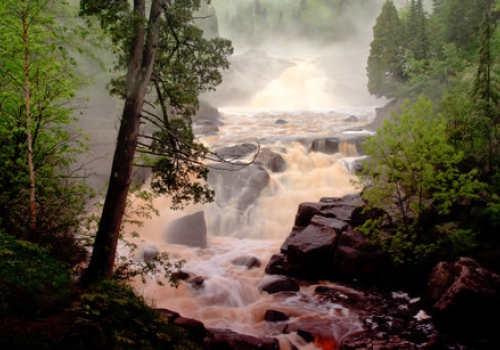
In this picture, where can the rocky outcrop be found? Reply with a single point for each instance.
(463, 295)
(323, 244)
(219, 339)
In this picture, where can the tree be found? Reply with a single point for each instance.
(412, 175)
(163, 51)
(417, 39)
(385, 69)
(37, 140)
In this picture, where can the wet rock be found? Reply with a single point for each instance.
(248, 261)
(195, 328)
(225, 339)
(310, 252)
(281, 121)
(180, 275)
(190, 230)
(279, 284)
(464, 295)
(271, 160)
(237, 185)
(351, 119)
(339, 295)
(275, 316)
(236, 152)
(197, 282)
(276, 265)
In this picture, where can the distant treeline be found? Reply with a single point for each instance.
(254, 21)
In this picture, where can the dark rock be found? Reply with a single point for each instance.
(195, 328)
(180, 275)
(275, 316)
(464, 295)
(281, 121)
(276, 265)
(279, 284)
(339, 295)
(225, 339)
(236, 152)
(238, 185)
(197, 282)
(351, 119)
(310, 252)
(248, 261)
(190, 230)
(271, 160)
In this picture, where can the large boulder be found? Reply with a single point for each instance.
(190, 230)
(323, 244)
(271, 160)
(464, 296)
(237, 185)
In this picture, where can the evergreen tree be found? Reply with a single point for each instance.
(385, 69)
(417, 39)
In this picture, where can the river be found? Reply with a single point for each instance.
(301, 103)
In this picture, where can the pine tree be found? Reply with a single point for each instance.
(384, 67)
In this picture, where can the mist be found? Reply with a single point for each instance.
(270, 37)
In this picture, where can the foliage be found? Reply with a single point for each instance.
(412, 174)
(31, 282)
(385, 69)
(125, 321)
(61, 194)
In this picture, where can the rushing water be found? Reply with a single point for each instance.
(309, 105)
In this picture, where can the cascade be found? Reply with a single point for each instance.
(227, 294)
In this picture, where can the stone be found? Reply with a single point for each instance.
(237, 185)
(464, 295)
(225, 339)
(190, 230)
(271, 160)
(275, 316)
(279, 284)
(247, 261)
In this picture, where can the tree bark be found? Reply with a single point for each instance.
(140, 66)
(27, 100)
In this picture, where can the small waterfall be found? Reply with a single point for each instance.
(348, 149)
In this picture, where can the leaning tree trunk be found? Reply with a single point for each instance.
(140, 65)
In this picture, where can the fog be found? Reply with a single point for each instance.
(337, 57)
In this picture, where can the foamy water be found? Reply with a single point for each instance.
(230, 297)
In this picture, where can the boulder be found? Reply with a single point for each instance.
(464, 295)
(279, 284)
(237, 185)
(190, 230)
(249, 262)
(310, 252)
(225, 339)
(275, 316)
(271, 160)
(232, 153)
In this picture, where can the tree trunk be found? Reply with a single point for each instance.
(140, 66)
(27, 100)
